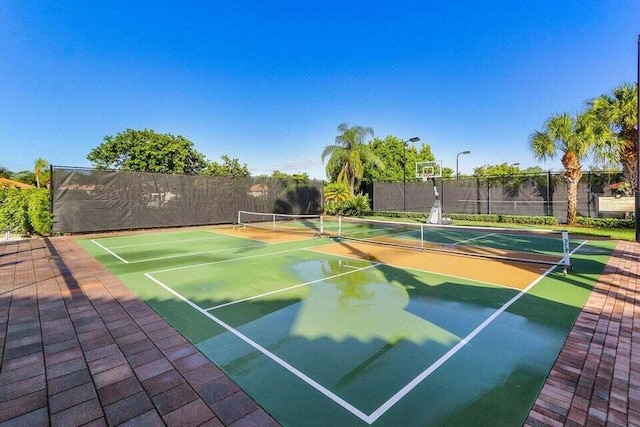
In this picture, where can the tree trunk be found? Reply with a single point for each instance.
(572, 199)
(629, 160)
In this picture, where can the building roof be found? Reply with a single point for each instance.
(10, 183)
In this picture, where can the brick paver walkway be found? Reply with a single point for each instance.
(596, 379)
(78, 348)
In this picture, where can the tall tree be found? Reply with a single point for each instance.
(619, 138)
(568, 136)
(148, 151)
(229, 167)
(40, 171)
(394, 154)
(496, 170)
(350, 155)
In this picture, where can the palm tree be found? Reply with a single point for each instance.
(569, 136)
(618, 113)
(350, 155)
(39, 170)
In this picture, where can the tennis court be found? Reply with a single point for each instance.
(367, 323)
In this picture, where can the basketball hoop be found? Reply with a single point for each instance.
(426, 176)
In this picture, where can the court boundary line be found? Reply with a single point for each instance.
(482, 282)
(218, 236)
(463, 342)
(395, 398)
(310, 381)
(276, 291)
(109, 251)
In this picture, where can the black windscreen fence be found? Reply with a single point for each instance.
(86, 200)
(532, 195)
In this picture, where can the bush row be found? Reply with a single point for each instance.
(507, 219)
(25, 211)
(354, 206)
(607, 222)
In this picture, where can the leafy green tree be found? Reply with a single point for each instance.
(447, 173)
(397, 158)
(40, 171)
(496, 170)
(618, 142)
(26, 177)
(350, 155)
(298, 178)
(567, 136)
(4, 172)
(230, 167)
(336, 192)
(148, 151)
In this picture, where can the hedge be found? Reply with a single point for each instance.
(606, 222)
(25, 211)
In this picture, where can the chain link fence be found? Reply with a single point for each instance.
(532, 195)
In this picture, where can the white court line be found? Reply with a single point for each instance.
(346, 405)
(382, 409)
(228, 260)
(402, 267)
(111, 252)
(292, 287)
(169, 242)
(472, 239)
(417, 380)
(195, 253)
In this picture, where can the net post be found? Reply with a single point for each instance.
(339, 226)
(274, 222)
(239, 212)
(566, 259)
(421, 236)
(321, 225)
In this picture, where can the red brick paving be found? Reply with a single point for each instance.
(78, 348)
(596, 378)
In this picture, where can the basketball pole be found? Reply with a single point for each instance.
(638, 153)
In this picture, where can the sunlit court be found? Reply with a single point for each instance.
(361, 322)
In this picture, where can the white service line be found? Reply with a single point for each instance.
(417, 380)
(472, 239)
(292, 287)
(195, 253)
(226, 260)
(111, 252)
(337, 399)
(170, 242)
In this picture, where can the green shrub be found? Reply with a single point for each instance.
(356, 205)
(475, 217)
(607, 222)
(336, 192)
(39, 212)
(25, 211)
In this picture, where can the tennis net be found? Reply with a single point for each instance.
(536, 246)
(302, 224)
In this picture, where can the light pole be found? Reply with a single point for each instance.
(457, 156)
(404, 170)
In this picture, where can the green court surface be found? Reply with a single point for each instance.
(321, 339)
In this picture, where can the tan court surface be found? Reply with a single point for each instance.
(78, 348)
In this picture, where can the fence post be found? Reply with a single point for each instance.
(549, 209)
(488, 196)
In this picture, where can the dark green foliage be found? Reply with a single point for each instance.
(148, 151)
(25, 211)
(507, 219)
(228, 167)
(39, 212)
(607, 222)
(357, 205)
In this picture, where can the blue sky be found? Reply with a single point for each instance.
(268, 82)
